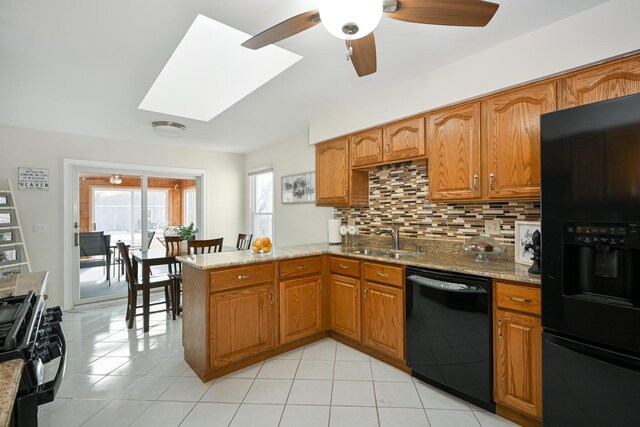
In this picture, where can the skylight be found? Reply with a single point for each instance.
(209, 72)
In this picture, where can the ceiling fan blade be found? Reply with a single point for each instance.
(364, 55)
(285, 29)
(464, 13)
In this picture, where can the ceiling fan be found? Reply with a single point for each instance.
(355, 20)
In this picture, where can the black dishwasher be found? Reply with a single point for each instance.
(449, 333)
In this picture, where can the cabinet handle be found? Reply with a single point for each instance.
(386, 148)
(516, 299)
(491, 180)
(382, 274)
(377, 150)
(355, 291)
(343, 266)
(320, 283)
(365, 293)
(475, 182)
(345, 192)
(244, 276)
(301, 267)
(500, 329)
(273, 296)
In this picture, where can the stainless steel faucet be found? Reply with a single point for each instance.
(395, 235)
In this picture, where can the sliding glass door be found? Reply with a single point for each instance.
(134, 209)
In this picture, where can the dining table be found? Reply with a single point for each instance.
(146, 259)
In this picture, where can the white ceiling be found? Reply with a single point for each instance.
(83, 67)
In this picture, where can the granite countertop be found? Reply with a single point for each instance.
(19, 284)
(460, 263)
(10, 373)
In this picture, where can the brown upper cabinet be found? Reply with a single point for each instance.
(513, 140)
(336, 183)
(599, 83)
(395, 142)
(454, 153)
(366, 148)
(404, 140)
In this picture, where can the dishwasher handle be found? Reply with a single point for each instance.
(441, 285)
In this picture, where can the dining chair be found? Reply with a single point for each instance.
(195, 247)
(95, 251)
(160, 281)
(244, 241)
(173, 246)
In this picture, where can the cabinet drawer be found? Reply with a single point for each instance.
(382, 273)
(345, 266)
(300, 267)
(519, 298)
(241, 276)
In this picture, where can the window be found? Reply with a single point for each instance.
(189, 206)
(262, 203)
(117, 212)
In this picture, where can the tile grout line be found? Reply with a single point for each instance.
(375, 398)
(284, 407)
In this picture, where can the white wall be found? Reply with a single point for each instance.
(294, 223)
(32, 148)
(605, 31)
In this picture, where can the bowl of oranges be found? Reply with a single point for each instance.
(261, 245)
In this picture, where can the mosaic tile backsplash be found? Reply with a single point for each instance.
(399, 194)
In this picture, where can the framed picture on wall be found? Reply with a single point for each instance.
(524, 231)
(299, 188)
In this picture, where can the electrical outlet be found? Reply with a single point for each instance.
(492, 227)
(351, 221)
(40, 228)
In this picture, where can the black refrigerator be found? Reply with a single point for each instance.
(591, 264)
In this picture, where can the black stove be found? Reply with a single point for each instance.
(31, 332)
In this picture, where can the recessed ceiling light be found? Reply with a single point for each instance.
(168, 129)
(210, 71)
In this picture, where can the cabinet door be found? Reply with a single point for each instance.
(454, 153)
(600, 83)
(513, 140)
(332, 172)
(404, 140)
(383, 319)
(345, 306)
(518, 362)
(300, 308)
(366, 148)
(242, 323)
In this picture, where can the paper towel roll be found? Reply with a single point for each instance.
(333, 231)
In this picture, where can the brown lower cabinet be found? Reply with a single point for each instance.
(300, 308)
(383, 319)
(345, 306)
(242, 323)
(518, 349)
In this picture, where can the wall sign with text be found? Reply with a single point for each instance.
(33, 179)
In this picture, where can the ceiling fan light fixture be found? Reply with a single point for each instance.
(350, 19)
(168, 129)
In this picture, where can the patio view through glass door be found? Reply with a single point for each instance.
(111, 210)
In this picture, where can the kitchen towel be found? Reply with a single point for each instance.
(333, 231)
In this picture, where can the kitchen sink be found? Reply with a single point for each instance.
(384, 253)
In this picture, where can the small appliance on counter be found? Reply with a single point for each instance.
(483, 245)
(591, 264)
(333, 231)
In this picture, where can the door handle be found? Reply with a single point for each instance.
(76, 239)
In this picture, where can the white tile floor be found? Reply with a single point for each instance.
(117, 377)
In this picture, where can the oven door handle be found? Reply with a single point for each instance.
(441, 285)
(48, 390)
